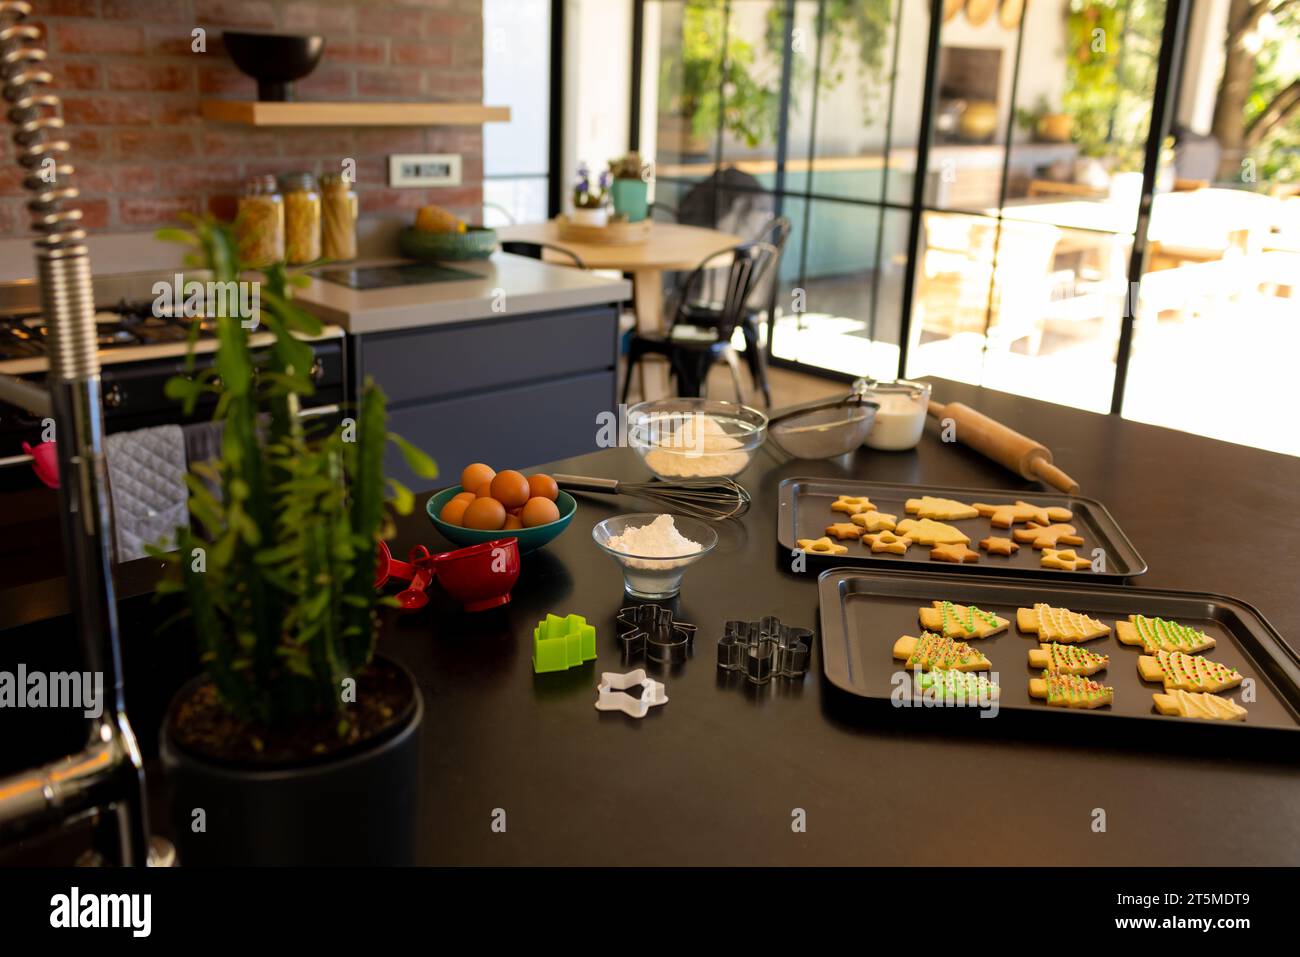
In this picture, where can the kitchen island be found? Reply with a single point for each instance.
(714, 776)
(506, 360)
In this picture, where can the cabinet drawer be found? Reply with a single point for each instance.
(445, 361)
(508, 429)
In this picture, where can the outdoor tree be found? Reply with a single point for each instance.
(1258, 106)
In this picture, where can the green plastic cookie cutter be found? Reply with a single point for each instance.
(562, 643)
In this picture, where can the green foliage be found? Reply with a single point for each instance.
(741, 86)
(1278, 151)
(280, 584)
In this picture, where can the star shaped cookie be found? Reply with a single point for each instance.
(843, 530)
(852, 504)
(1004, 516)
(822, 546)
(887, 541)
(927, 506)
(1053, 558)
(995, 545)
(956, 552)
(1047, 536)
(875, 521)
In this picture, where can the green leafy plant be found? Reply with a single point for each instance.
(280, 583)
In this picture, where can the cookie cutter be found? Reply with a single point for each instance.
(560, 643)
(650, 630)
(612, 693)
(764, 649)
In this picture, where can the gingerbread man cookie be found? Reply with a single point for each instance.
(875, 521)
(996, 545)
(927, 506)
(1004, 516)
(928, 532)
(821, 546)
(1053, 558)
(852, 504)
(956, 553)
(887, 541)
(1047, 536)
(843, 530)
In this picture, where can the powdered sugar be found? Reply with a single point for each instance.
(657, 539)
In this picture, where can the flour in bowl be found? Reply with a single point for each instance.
(657, 539)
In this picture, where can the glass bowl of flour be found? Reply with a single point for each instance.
(654, 550)
(687, 438)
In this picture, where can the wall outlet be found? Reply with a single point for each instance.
(424, 169)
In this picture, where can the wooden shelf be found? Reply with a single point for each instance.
(267, 113)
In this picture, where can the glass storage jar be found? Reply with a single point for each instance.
(302, 210)
(259, 226)
(900, 420)
(338, 217)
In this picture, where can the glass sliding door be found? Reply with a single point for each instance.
(516, 73)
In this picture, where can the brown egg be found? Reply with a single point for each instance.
(543, 486)
(513, 522)
(485, 513)
(482, 491)
(510, 488)
(539, 511)
(475, 475)
(465, 497)
(453, 513)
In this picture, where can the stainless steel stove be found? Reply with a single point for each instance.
(139, 351)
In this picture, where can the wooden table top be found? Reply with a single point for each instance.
(671, 246)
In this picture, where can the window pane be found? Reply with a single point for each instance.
(516, 73)
(507, 201)
(681, 80)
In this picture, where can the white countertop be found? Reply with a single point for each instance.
(504, 285)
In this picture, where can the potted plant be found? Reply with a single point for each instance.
(630, 189)
(297, 744)
(590, 199)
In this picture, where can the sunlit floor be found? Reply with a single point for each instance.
(1227, 370)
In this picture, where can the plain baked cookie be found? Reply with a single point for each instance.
(875, 521)
(955, 553)
(929, 532)
(927, 506)
(852, 504)
(1067, 559)
(887, 542)
(995, 545)
(1047, 536)
(821, 546)
(1004, 516)
(843, 530)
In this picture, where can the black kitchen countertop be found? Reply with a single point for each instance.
(718, 774)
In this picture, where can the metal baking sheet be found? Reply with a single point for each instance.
(864, 612)
(804, 511)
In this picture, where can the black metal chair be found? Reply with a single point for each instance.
(707, 314)
(691, 349)
(525, 247)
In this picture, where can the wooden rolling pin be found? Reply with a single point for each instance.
(1005, 446)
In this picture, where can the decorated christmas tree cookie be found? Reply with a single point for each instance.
(1067, 659)
(935, 651)
(958, 687)
(1208, 707)
(961, 621)
(1187, 672)
(1157, 634)
(1059, 624)
(1070, 691)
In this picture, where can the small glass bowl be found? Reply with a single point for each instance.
(673, 441)
(648, 577)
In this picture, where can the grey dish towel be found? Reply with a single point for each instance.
(146, 475)
(203, 444)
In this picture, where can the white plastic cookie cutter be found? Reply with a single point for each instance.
(612, 693)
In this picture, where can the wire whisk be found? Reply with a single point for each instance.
(710, 499)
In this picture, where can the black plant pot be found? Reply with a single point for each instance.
(358, 808)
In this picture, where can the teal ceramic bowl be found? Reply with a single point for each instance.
(530, 539)
(477, 242)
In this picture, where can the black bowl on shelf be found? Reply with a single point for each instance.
(274, 60)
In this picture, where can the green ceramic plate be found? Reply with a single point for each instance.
(530, 539)
(477, 242)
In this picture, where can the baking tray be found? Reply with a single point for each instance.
(804, 511)
(864, 612)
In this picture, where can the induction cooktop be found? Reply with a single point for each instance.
(386, 277)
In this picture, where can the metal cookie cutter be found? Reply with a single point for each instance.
(650, 629)
(612, 693)
(764, 649)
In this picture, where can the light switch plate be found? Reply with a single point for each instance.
(424, 169)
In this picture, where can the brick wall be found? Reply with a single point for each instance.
(131, 88)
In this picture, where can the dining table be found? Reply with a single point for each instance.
(668, 247)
